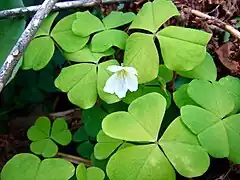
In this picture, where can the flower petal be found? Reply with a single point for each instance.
(114, 68)
(110, 84)
(131, 70)
(121, 87)
(131, 82)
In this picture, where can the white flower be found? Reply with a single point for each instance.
(123, 79)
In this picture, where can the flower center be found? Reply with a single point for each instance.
(123, 73)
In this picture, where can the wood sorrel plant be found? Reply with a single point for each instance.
(127, 136)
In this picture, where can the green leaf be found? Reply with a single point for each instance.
(141, 53)
(153, 15)
(116, 19)
(182, 48)
(143, 122)
(46, 147)
(211, 96)
(40, 130)
(65, 38)
(232, 85)
(209, 129)
(181, 97)
(105, 146)
(29, 167)
(106, 39)
(60, 132)
(59, 169)
(92, 119)
(45, 27)
(11, 29)
(183, 151)
(103, 76)
(232, 127)
(198, 119)
(80, 81)
(86, 24)
(92, 173)
(80, 135)
(86, 55)
(144, 89)
(21, 166)
(165, 73)
(206, 70)
(38, 53)
(85, 149)
(142, 162)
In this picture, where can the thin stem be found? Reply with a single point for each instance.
(28, 34)
(58, 6)
(216, 21)
(74, 159)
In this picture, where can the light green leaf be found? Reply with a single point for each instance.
(181, 97)
(183, 151)
(55, 168)
(80, 81)
(198, 119)
(40, 130)
(209, 129)
(11, 29)
(60, 132)
(103, 76)
(144, 89)
(206, 70)
(211, 96)
(29, 167)
(182, 48)
(46, 147)
(92, 119)
(232, 85)
(21, 166)
(106, 39)
(141, 53)
(232, 127)
(81, 172)
(92, 173)
(154, 14)
(38, 53)
(65, 38)
(86, 55)
(116, 19)
(105, 146)
(143, 162)
(86, 24)
(214, 139)
(143, 122)
(45, 27)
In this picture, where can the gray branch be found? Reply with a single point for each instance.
(58, 6)
(28, 34)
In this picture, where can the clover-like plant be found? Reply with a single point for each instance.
(213, 122)
(30, 167)
(41, 49)
(45, 136)
(91, 173)
(145, 160)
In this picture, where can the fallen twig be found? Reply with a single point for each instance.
(58, 6)
(17, 51)
(215, 21)
(74, 159)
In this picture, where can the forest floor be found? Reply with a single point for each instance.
(223, 47)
